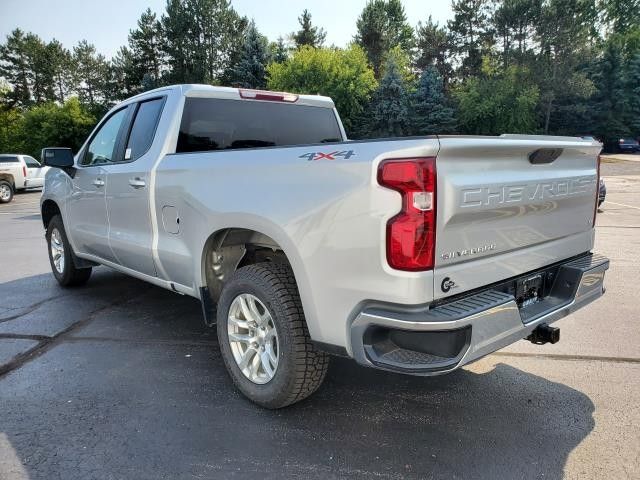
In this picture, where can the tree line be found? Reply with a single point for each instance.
(498, 66)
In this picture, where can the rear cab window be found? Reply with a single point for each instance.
(9, 159)
(144, 128)
(220, 124)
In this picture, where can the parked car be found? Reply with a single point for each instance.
(411, 255)
(602, 192)
(628, 145)
(19, 172)
(591, 137)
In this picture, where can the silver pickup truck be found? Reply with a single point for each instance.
(415, 255)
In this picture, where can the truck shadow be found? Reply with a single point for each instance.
(140, 391)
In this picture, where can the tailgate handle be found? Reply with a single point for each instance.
(544, 155)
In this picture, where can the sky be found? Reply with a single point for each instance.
(106, 23)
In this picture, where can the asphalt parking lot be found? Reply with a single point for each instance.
(120, 379)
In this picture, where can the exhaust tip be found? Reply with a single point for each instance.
(543, 334)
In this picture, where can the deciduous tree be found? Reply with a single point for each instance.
(49, 124)
(497, 102)
(343, 75)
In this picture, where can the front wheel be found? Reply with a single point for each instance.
(61, 256)
(263, 337)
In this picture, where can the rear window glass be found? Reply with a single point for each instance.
(215, 124)
(144, 127)
(8, 159)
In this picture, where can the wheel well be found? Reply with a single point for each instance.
(8, 178)
(49, 210)
(227, 250)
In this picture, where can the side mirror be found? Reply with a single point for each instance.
(57, 157)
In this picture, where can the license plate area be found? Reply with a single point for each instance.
(529, 290)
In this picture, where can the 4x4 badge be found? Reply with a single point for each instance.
(346, 154)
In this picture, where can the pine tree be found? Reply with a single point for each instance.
(621, 16)
(201, 37)
(42, 87)
(250, 71)
(389, 112)
(383, 25)
(430, 113)
(633, 92)
(29, 64)
(470, 34)
(14, 66)
(563, 40)
(125, 75)
(145, 45)
(60, 66)
(91, 73)
(433, 45)
(308, 34)
(514, 23)
(279, 53)
(609, 105)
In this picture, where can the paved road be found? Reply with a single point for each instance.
(120, 379)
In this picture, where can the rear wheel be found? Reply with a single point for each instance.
(264, 339)
(6, 192)
(61, 256)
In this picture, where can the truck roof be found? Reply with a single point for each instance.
(230, 93)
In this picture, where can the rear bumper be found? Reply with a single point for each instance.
(431, 341)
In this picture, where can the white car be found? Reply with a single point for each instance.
(19, 172)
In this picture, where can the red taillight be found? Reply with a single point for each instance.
(265, 95)
(595, 208)
(24, 171)
(411, 234)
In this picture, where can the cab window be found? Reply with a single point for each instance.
(220, 124)
(32, 162)
(144, 128)
(102, 147)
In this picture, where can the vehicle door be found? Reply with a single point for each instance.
(87, 220)
(35, 172)
(130, 230)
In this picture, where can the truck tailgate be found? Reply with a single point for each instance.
(509, 205)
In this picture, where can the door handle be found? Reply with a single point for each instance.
(98, 182)
(137, 182)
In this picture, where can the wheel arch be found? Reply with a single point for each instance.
(48, 210)
(248, 245)
(228, 249)
(9, 178)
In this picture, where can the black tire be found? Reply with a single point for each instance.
(8, 188)
(301, 366)
(70, 275)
